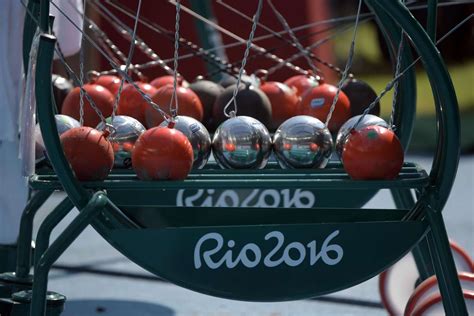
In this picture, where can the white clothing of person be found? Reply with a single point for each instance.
(13, 185)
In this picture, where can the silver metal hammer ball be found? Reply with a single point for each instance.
(63, 124)
(198, 137)
(345, 129)
(126, 131)
(302, 142)
(241, 142)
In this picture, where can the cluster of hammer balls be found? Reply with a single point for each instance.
(294, 111)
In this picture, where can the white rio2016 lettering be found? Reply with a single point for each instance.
(256, 198)
(269, 261)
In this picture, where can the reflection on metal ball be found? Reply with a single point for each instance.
(63, 124)
(302, 142)
(242, 142)
(125, 133)
(343, 133)
(198, 137)
(61, 88)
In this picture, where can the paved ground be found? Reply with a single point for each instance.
(100, 281)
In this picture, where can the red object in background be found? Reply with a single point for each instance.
(301, 83)
(162, 12)
(317, 103)
(164, 80)
(283, 99)
(372, 153)
(313, 147)
(188, 102)
(162, 153)
(132, 103)
(112, 83)
(102, 98)
(230, 147)
(89, 153)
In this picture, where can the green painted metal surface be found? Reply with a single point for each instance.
(209, 38)
(272, 262)
(370, 240)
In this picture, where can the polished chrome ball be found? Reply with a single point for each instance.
(302, 142)
(241, 142)
(198, 137)
(124, 134)
(63, 124)
(343, 133)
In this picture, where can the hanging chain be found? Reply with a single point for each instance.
(391, 84)
(295, 40)
(126, 32)
(236, 37)
(310, 47)
(396, 84)
(129, 59)
(197, 51)
(174, 97)
(113, 65)
(286, 42)
(388, 87)
(398, 65)
(81, 68)
(244, 61)
(347, 68)
(110, 45)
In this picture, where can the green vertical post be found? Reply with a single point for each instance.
(26, 233)
(64, 240)
(209, 38)
(432, 17)
(448, 281)
(421, 253)
(47, 226)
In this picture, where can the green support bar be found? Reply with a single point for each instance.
(26, 233)
(432, 17)
(73, 230)
(209, 38)
(47, 226)
(423, 259)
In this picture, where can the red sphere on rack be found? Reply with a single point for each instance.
(162, 153)
(89, 153)
(165, 80)
(317, 102)
(111, 83)
(301, 83)
(103, 99)
(132, 103)
(188, 101)
(372, 153)
(283, 99)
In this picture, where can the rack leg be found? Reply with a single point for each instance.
(26, 232)
(49, 223)
(64, 240)
(20, 255)
(421, 253)
(450, 287)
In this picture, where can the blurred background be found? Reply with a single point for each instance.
(371, 61)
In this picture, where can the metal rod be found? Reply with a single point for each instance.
(238, 38)
(64, 240)
(26, 232)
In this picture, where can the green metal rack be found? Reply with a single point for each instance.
(277, 252)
